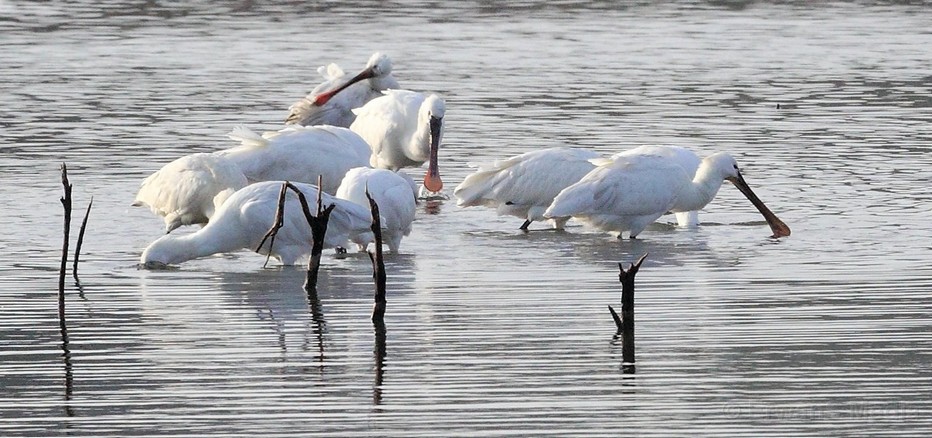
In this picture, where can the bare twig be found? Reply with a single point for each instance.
(77, 250)
(66, 203)
(615, 317)
(378, 265)
(279, 223)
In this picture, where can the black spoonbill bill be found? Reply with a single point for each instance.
(332, 102)
(629, 193)
(404, 129)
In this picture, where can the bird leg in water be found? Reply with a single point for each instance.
(279, 223)
(523, 227)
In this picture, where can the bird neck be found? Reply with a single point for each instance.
(380, 83)
(702, 189)
(419, 146)
(178, 249)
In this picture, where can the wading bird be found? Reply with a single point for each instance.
(683, 157)
(188, 190)
(404, 129)
(332, 102)
(525, 185)
(298, 154)
(394, 192)
(244, 219)
(628, 193)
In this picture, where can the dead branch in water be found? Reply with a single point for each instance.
(279, 223)
(318, 226)
(317, 223)
(378, 265)
(66, 203)
(77, 249)
(625, 323)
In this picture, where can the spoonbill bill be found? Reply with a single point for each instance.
(394, 192)
(404, 129)
(188, 190)
(628, 193)
(298, 154)
(525, 185)
(246, 216)
(332, 102)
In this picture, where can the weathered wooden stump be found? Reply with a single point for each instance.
(625, 323)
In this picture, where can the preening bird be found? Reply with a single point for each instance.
(525, 185)
(628, 193)
(394, 192)
(244, 219)
(403, 129)
(188, 190)
(332, 102)
(298, 154)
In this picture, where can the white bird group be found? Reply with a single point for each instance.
(358, 122)
(623, 193)
(355, 133)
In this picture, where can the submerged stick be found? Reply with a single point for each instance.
(625, 323)
(378, 353)
(279, 223)
(378, 265)
(77, 250)
(317, 317)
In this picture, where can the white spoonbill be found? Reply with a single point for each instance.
(244, 219)
(525, 185)
(686, 159)
(188, 190)
(299, 154)
(332, 102)
(394, 192)
(628, 193)
(404, 129)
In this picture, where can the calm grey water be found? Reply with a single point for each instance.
(489, 331)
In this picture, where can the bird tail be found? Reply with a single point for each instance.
(220, 198)
(247, 136)
(331, 71)
(475, 188)
(482, 184)
(570, 201)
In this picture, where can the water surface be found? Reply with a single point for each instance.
(489, 331)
